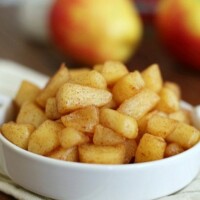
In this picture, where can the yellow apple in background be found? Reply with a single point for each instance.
(178, 25)
(93, 31)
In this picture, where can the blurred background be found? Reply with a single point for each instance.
(43, 34)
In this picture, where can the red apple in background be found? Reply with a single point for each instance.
(178, 25)
(93, 31)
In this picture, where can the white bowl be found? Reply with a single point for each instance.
(76, 181)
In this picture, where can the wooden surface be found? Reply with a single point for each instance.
(14, 46)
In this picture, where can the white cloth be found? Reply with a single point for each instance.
(9, 187)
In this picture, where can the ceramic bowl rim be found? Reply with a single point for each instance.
(89, 166)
